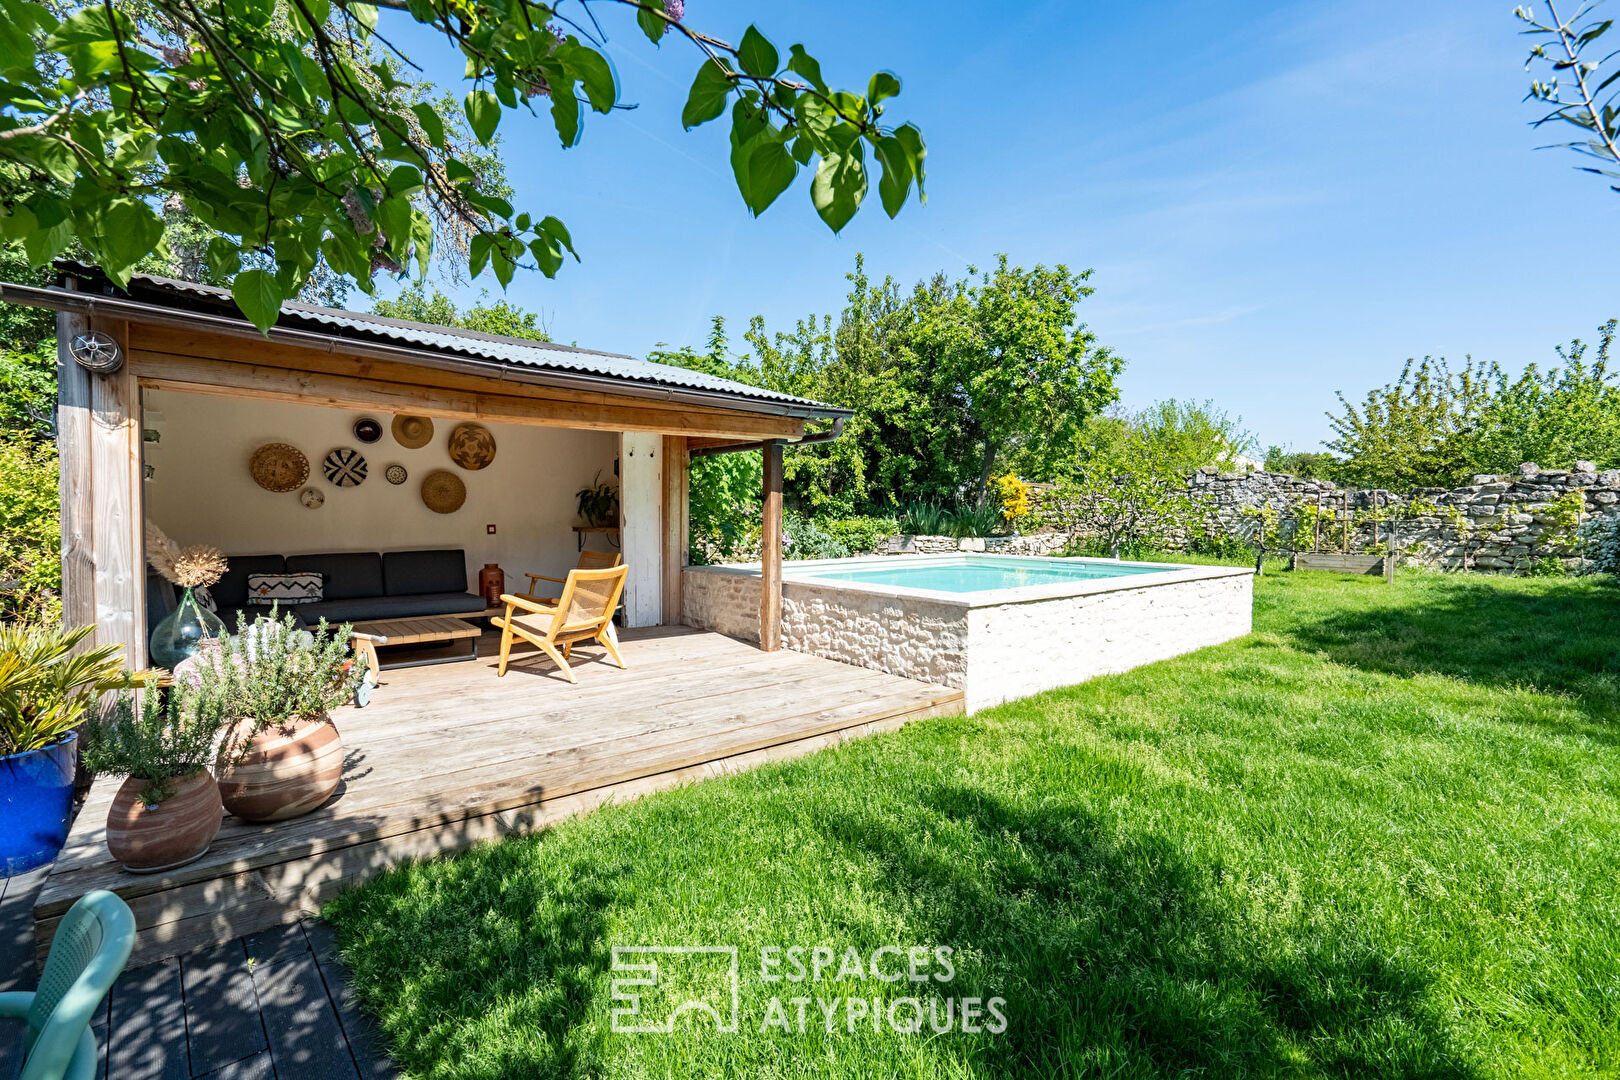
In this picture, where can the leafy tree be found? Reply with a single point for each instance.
(1413, 432)
(1126, 507)
(1555, 417)
(501, 317)
(28, 390)
(279, 127)
(1570, 47)
(1193, 434)
(1434, 427)
(1305, 464)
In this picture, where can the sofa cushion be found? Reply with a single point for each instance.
(349, 574)
(413, 573)
(366, 609)
(231, 590)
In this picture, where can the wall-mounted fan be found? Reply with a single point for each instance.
(96, 352)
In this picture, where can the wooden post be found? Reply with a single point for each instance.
(676, 518)
(118, 504)
(73, 450)
(770, 555)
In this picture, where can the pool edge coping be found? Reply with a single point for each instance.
(1174, 574)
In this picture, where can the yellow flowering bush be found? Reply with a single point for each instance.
(1014, 496)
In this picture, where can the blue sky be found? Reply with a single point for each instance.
(1279, 200)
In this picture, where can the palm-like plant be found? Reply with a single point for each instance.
(46, 686)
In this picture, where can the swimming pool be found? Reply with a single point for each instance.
(996, 627)
(970, 573)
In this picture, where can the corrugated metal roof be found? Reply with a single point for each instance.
(544, 356)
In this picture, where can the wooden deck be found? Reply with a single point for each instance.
(449, 756)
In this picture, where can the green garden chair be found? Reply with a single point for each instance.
(90, 949)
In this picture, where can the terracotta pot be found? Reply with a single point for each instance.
(149, 838)
(491, 583)
(285, 772)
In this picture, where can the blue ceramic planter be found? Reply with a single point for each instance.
(36, 793)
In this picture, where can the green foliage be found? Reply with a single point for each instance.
(156, 735)
(275, 674)
(925, 517)
(860, 534)
(598, 504)
(293, 135)
(805, 538)
(502, 317)
(28, 389)
(48, 684)
(945, 381)
(30, 530)
(1193, 434)
(1547, 566)
(1305, 464)
(1140, 508)
(1571, 47)
(978, 517)
(1435, 427)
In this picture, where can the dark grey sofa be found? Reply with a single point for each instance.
(358, 586)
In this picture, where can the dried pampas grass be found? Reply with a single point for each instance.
(188, 567)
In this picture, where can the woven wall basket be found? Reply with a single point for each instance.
(278, 467)
(443, 492)
(472, 446)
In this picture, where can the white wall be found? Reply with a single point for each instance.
(201, 491)
(641, 510)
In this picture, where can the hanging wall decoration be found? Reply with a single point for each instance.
(395, 474)
(413, 432)
(345, 467)
(312, 498)
(367, 430)
(443, 492)
(278, 467)
(472, 446)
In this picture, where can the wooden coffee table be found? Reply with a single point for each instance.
(413, 638)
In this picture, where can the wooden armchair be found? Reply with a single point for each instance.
(584, 612)
(588, 560)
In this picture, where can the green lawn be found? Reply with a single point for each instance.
(1381, 836)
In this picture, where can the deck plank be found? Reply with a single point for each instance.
(146, 1030)
(222, 1011)
(451, 755)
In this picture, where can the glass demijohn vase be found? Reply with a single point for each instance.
(183, 631)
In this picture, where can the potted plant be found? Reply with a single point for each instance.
(167, 811)
(599, 503)
(274, 685)
(46, 690)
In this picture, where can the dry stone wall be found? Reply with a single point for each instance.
(1499, 523)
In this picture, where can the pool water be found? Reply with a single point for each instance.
(974, 574)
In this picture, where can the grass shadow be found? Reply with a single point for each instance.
(485, 941)
(1120, 957)
(1556, 637)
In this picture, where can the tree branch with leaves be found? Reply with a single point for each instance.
(1569, 46)
(281, 126)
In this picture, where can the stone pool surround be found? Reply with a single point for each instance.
(993, 646)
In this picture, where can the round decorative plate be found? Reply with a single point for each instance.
(472, 446)
(344, 467)
(312, 498)
(367, 430)
(278, 467)
(413, 432)
(443, 492)
(395, 474)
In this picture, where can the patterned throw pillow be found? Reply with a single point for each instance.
(285, 589)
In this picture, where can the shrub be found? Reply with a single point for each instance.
(973, 519)
(46, 687)
(166, 735)
(860, 534)
(1144, 507)
(1014, 496)
(924, 518)
(803, 538)
(30, 531)
(276, 674)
